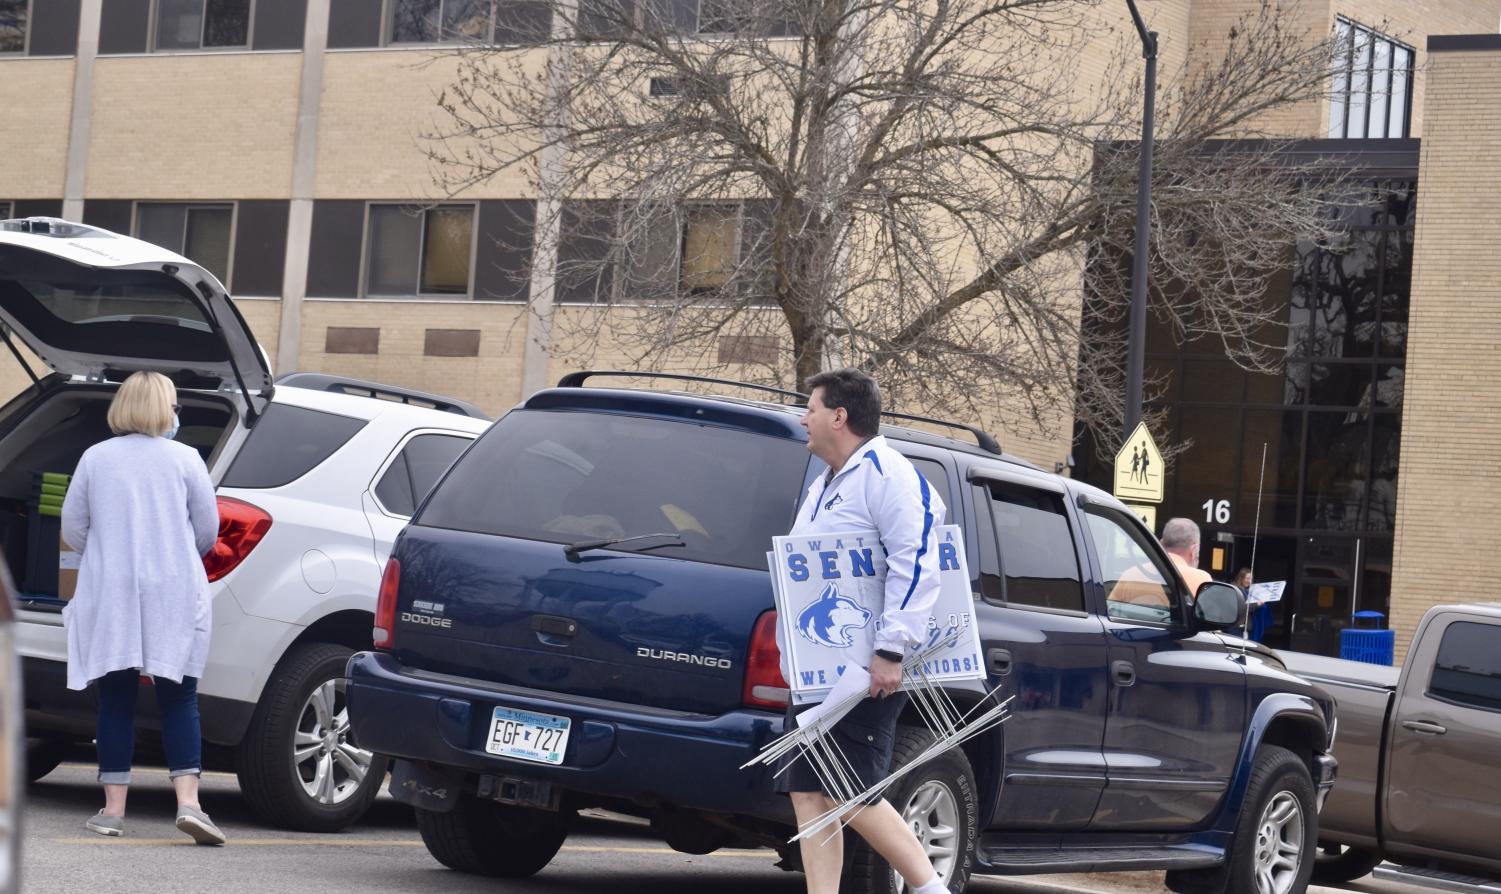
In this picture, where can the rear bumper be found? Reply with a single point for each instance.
(1325, 769)
(615, 751)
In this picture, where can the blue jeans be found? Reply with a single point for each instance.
(116, 737)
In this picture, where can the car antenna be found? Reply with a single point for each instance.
(1255, 534)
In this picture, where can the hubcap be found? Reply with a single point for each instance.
(932, 813)
(1279, 844)
(327, 764)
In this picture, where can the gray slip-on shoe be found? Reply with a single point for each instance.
(197, 825)
(113, 826)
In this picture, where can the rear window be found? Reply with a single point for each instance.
(567, 477)
(415, 470)
(286, 443)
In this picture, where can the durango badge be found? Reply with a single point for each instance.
(829, 619)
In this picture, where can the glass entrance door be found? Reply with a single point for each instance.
(1324, 593)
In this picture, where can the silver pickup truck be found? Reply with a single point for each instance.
(1419, 755)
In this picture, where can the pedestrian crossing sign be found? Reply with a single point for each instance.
(1138, 468)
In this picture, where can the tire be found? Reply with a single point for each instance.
(1337, 864)
(485, 838)
(297, 768)
(1280, 808)
(43, 756)
(938, 795)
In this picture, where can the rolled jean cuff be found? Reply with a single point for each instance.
(190, 771)
(114, 777)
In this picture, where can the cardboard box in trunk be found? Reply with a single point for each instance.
(68, 561)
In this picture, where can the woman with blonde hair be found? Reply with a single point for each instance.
(141, 510)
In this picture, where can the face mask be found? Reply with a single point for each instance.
(172, 432)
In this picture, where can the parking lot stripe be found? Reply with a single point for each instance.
(389, 842)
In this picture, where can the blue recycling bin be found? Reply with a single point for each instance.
(1370, 646)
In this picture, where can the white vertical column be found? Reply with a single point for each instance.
(304, 170)
(548, 223)
(83, 107)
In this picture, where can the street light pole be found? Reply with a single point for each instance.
(1136, 350)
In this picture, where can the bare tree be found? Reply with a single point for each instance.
(913, 187)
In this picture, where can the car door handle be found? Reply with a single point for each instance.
(552, 625)
(1123, 672)
(1424, 726)
(999, 660)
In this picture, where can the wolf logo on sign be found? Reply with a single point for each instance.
(829, 619)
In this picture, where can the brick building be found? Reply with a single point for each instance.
(275, 142)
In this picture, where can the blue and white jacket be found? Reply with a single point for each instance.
(879, 489)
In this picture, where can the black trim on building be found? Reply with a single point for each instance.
(124, 27)
(1438, 43)
(260, 247)
(279, 25)
(354, 23)
(335, 248)
(503, 254)
(54, 28)
(38, 208)
(114, 215)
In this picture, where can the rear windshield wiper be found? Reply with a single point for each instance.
(573, 549)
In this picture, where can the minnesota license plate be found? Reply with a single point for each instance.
(528, 736)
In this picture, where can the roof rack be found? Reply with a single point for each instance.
(987, 442)
(361, 388)
(577, 380)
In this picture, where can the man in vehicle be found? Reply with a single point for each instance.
(1180, 537)
(868, 486)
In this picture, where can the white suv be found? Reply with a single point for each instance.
(316, 476)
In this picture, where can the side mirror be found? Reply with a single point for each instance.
(1218, 606)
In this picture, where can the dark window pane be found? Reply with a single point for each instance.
(286, 443)
(12, 26)
(415, 21)
(466, 20)
(522, 22)
(1386, 444)
(1339, 384)
(1375, 575)
(1213, 381)
(1343, 315)
(563, 477)
(1300, 298)
(1160, 377)
(651, 242)
(1338, 465)
(1389, 386)
(1275, 486)
(1399, 196)
(586, 268)
(1468, 669)
(1037, 553)
(605, 18)
(446, 247)
(228, 23)
(989, 568)
(1206, 470)
(162, 224)
(428, 457)
(179, 24)
(207, 240)
(1396, 293)
(394, 490)
(394, 238)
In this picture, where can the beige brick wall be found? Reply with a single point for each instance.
(377, 106)
(196, 126)
(1449, 483)
(263, 316)
(492, 380)
(36, 97)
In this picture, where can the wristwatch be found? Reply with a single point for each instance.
(889, 655)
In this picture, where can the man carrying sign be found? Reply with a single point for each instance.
(868, 486)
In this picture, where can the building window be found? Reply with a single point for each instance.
(202, 24)
(1372, 84)
(7, 210)
(14, 14)
(202, 233)
(703, 251)
(419, 252)
(468, 21)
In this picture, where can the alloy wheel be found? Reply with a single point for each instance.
(1279, 844)
(328, 765)
(932, 813)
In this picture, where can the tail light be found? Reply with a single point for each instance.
(241, 527)
(764, 685)
(384, 634)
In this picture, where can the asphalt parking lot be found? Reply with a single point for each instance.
(384, 853)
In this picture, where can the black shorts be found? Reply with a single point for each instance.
(866, 735)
